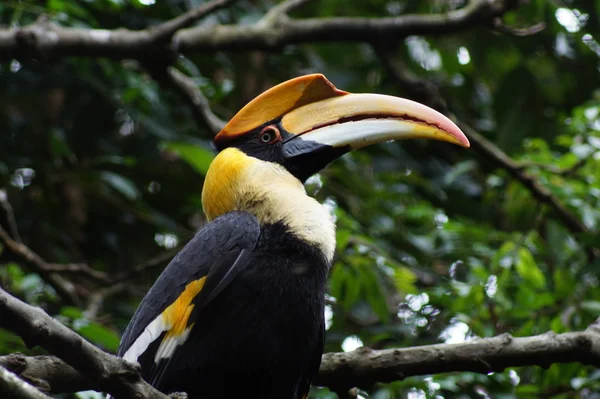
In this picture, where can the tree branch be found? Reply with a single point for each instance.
(365, 367)
(62, 287)
(166, 30)
(10, 216)
(13, 387)
(526, 31)
(109, 373)
(429, 94)
(46, 40)
(277, 30)
(568, 171)
(47, 373)
(49, 272)
(543, 194)
(187, 88)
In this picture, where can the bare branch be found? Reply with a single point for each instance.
(286, 7)
(108, 373)
(81, 269)
(273, 33)
(365, 367)
(10, 216)
(13, 387)
(63, 288)
(188, 89)
(165, 31)
(147, 265)
(511, 30)
(49, 272)
(555, 169)
(46, 40)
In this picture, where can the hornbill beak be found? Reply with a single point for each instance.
(320, 122)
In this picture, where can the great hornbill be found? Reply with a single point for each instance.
(238, 313)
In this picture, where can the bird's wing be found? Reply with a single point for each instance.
(195, 276)
(315, 364)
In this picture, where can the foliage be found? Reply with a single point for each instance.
(435, 244)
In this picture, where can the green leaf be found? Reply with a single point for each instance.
(71, 312)
(197, 157)
(121, 184)
(529, 270)
(592, 306)
(337, 280)
(374, 293)
(404, 280)
(101, 336)
(342, 237)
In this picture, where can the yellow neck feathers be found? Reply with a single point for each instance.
(236, 181)
(221, 192)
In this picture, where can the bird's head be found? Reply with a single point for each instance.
(296, 128)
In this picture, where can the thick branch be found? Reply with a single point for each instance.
(109, 373)
(365, 367)
(47, 373)
(46, 40)
(13, 387)
(275, 32)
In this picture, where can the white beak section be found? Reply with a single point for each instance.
(371, 131)
(358, 120)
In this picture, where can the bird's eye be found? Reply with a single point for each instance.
(269, 135)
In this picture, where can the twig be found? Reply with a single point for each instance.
(10, 216)
(165, 31)
(108, 373)
(149, 264)
(554, 169)
(365, 367)
(49, 271)
(511, 30)
(13, 387)
(81, 269)
(479, 143)
(496, 155)
(188, 89)
(63, 288)
(97, 298)
(119, 282)
(286, 7)
(141, 214)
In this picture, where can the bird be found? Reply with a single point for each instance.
(239, 311)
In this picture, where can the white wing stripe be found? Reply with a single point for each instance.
(150, 334)
(168, 346)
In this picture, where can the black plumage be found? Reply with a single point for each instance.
(261, 336)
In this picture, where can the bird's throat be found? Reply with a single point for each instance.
(267, 190)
